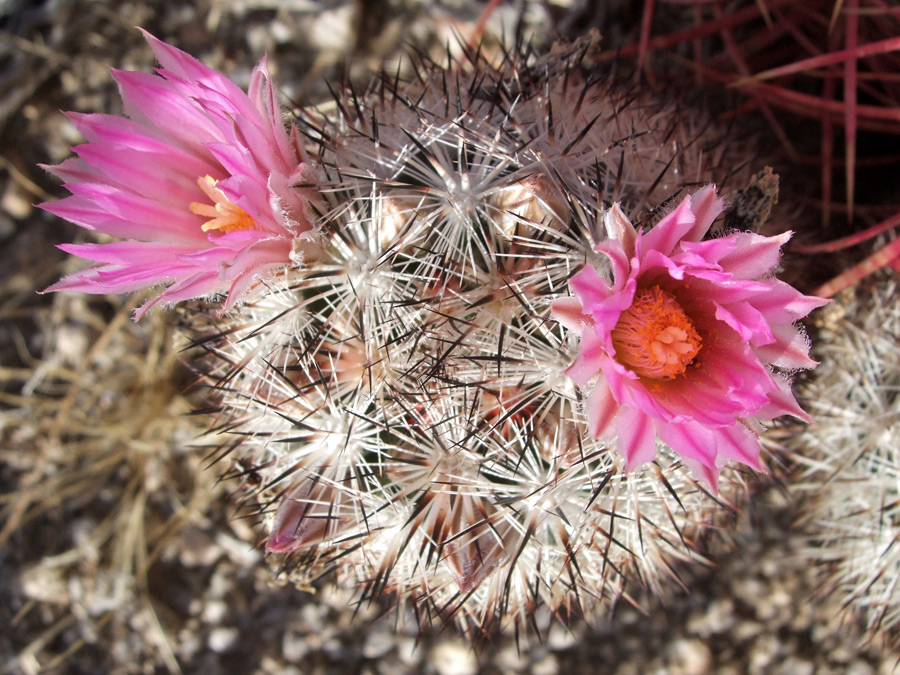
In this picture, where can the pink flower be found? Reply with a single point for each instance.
(681, 342)
(203, 182)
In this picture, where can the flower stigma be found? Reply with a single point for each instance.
(224, 215)
(654, 337)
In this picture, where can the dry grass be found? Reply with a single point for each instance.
(98, 445)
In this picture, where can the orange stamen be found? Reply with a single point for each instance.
(224, 215)
(654, 337)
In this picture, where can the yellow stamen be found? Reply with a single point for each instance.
(224, 215)
(654, 337)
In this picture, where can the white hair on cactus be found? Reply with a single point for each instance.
(401, 396)
(850, 460)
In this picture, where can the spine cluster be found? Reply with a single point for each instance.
(398, 400)
(849, 463)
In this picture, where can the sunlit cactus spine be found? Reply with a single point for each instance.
(849, 462)
(399, 401)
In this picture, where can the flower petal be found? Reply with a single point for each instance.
(789, 351)
(754, 256)
(601, 408)
(197, 148)
(636, 437)
(589, 360)
(705, 407)
(690, 440)
(568, 312)
(668, 232)
(707, 206)
(737, 442)
(747, 321)
(620, 229)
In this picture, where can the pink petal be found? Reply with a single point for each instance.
(187, 68)
(102, 128)
(740, 444)
(126, 216)
(290, 147)
(606, 313)
(744, 380)
(703, 473)
(707, 206)
(253, 264)
(726, 290)
(636, 437)
(620, 229)
(125, 133)
(250, 133)
(657, 268)
(126, 252)
(782, 402)
(73, 170)
(712, 251)
(108, 278)
(156, 177)
(782, 303)
(601, 408)
(568, 312)
(589, 287)
(142, 217)
(789, 351)
(89, 281)
(201, 284)
(234, 159)
(628, 390)
(697, 397)
(252, 195)
(754, 256)
(690, 440)
(666, 234)
(589, 360)
(150, 100)
(747, 321)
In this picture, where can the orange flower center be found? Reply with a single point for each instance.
(224, 215)
(654, 337)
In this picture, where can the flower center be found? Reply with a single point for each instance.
(224, 215)
(654, 337)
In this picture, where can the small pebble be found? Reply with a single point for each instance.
(795, 665)
(689, 657)
(718, 618)
(222, 639)
(454, 658)
(860, 667)
(378, 643)
(548, 665)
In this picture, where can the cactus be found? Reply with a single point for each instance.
(399, 401)
(849, 462)
(459, 310)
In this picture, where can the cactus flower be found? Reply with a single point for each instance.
(681, 343)
(202, 183)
